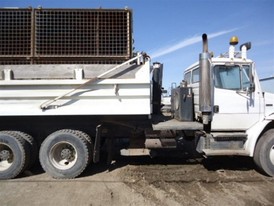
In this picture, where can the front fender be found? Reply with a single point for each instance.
(270, 117)
(254, 133)
(269, 105)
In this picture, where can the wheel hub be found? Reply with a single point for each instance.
(6, 157)
(63, 155)
(67, 154)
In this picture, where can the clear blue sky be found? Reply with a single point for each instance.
(168, 29)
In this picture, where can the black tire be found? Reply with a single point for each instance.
(32, 146)
(14, 154)
(65, 154)
(89, 143)
(264, 153)
(256, 158)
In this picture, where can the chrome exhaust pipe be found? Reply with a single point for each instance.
(205, 96)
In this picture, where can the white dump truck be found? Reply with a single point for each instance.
(71, 86)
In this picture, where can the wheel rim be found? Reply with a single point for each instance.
(271, 154)
(63, 155)
(6, 157)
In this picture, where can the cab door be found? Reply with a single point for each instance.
(236, 102)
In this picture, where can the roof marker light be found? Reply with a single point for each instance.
(234, 40)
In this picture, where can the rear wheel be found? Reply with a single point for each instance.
(32, 146)
(65, 153)
(264, 153)
(14, 154)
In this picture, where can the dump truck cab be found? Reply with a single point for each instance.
(237, 99)
(240, 112)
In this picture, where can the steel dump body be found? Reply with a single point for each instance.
(122, 92)
(44, 53)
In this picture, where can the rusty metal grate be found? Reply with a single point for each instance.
(15, 32)
(16, 61)
(77, 61)
(47, 35)
(5, 61)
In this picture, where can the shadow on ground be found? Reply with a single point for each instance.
(217, 163)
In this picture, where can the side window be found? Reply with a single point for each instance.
(188, 77)
(196, 75)
(245, 76)
(227, 77)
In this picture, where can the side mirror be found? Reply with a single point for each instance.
(248, 90)
(251, 88)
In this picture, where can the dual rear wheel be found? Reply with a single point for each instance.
(66, 153)
(17, 153)
(63, 154)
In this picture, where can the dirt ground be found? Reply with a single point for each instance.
(145, 181)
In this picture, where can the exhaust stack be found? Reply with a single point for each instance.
(205, 84)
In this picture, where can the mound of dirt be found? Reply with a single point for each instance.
(216, 181)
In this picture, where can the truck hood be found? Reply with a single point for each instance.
(269, 105)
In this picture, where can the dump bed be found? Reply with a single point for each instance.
(125, 91)
(51, 61)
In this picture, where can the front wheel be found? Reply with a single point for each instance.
(264, 153)
(65, 153)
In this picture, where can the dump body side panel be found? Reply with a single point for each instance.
(128, 94)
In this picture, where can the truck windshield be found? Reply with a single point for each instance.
(231, 77)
